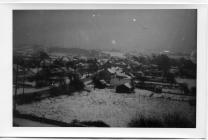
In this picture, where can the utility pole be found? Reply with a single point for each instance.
(16, 86)
(23, 90)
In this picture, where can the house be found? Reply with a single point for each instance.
(35, 70)
(45, 62)
(114, 75)
(174, 70)
(56, 81)
(65, 59)
(118, 76)
(139, 74)
(103, 74)
(101, 84)
(120, 79)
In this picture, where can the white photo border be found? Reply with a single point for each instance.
(6, 128)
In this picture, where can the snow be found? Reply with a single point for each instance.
(105, 105)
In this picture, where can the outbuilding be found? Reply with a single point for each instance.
(125, 88)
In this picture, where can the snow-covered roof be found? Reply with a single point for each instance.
(35, 70)
(140, 72)
(115, 69)
(128, 85)
(118, 72)
(123, 75)
(111, 71)
(65, 58)
(103, 81)
(132, 75)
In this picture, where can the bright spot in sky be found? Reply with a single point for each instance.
(93, 15)
(113, 42)
(134, 20)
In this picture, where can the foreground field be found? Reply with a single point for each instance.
(115, 110)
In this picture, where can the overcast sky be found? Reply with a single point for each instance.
(144, 30)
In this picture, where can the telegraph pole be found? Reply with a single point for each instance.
(16, 86)
(23, 90)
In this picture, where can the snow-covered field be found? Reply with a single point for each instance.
(116, 110)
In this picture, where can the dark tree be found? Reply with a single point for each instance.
(163, 61)
(76, 84)
(170, 78)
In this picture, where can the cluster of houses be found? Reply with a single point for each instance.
(120, 73)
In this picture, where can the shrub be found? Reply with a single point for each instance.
(170, 78)
(98, 84)
(141, 121)
(176, 120)
(192, 102)
(89, 123)
(184, 88)
(76, 85)
(193, 91)
(173, 120)
(55, 91)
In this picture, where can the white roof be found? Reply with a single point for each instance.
(118, 71)
(128, 85)
(123, 75)
(111, 71)
(35, 70)
(66, 59)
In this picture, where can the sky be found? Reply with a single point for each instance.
(127, 30)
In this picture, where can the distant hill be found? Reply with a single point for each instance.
(74, 51)
(29, 49)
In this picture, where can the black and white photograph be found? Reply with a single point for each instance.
(120, 68)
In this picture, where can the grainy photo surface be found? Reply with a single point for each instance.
(105, 68)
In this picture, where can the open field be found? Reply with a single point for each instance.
(115, 110)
